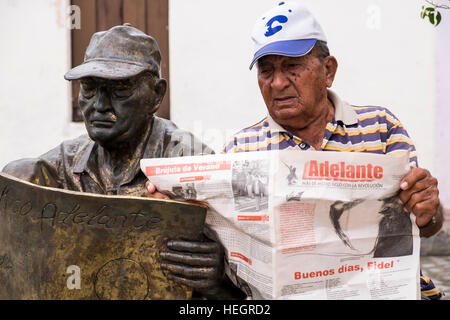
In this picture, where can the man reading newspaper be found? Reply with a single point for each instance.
(295, 72)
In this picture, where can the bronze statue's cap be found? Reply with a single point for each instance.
(121, 52)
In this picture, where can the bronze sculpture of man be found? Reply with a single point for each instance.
(120, 90)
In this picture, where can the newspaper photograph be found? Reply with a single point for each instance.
(304, 225)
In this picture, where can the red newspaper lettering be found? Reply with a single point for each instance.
(187, 168)
(253, 218)
(191, 179)
(341, 171)
(241, 256)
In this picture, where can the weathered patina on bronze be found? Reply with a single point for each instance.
(121, 89)
(113, 240)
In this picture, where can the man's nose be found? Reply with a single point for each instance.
(280, 80)
(102, 101)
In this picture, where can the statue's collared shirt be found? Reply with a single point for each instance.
(78, 164)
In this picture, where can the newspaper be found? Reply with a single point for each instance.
(304, 225)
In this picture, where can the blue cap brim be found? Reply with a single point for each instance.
(290, 48)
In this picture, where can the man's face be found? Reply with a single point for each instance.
(295, 88)
(117, 111)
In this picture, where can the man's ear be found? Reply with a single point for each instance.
(160, 90)
(331, 66)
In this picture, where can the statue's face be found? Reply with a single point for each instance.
(118, 111)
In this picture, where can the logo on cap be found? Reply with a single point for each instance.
(270, 30)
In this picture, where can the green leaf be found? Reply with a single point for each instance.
(438, 18)
(431, 18)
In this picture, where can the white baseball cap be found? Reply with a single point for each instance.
(289, 29)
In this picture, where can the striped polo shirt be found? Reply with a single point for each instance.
(353, 129)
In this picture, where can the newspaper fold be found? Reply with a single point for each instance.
(304, 225)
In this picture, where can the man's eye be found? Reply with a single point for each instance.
(265, 72)
(88, 92)
(122, 93)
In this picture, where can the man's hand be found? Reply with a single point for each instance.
(197, 264)
(420, 196)
(151, 191)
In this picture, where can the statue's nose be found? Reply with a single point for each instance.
(102, 101)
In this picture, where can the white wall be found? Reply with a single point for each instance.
(442, 132)
(34, 97)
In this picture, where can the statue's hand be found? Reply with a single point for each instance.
(199, 265)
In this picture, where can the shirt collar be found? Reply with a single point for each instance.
(343, 112)
(81, 159)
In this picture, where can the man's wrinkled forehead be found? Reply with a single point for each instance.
(275, 59)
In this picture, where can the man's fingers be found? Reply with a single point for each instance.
(152, 192)
(193, 283)
(422, 204)
(415, 190)
(157, 195)
(190, 272)
(424, 211)
(420, 195)
(150, 187)
(419, 186)
(207, 260)
(412, 177)
(193, 246)
(197, 264)
(411, 199)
